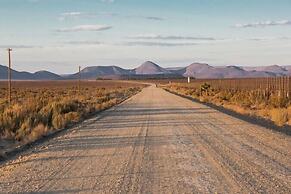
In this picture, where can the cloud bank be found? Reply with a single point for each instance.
(86, 42)
(20, 46)
(78, 14)
(82, 28)
(171, 37)
(158, 44)
(264, 24)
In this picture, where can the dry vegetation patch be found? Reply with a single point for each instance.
(39, 108)
(250, 102)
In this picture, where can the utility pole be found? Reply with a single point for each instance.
(79, 82)
(9, 75)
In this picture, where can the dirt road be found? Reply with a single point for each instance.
(156, 142)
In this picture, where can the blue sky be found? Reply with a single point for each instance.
(59, 35)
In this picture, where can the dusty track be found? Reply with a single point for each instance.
(156, 142)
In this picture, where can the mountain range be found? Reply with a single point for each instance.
(23, 75)
(153, 70)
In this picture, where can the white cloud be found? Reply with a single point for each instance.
(269, 38)
(78, 14)
(131, 43)
(72, 14)
(159, 44)
(20, 46)
(152, 18)
(81, 28)
(86, 42)
(108, 1)
(170, 37)
(66, 15)
(264, 24)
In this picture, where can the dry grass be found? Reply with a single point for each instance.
(249, 102)
(41, 107)
(37, 132)
(279, 116)
(289, 115)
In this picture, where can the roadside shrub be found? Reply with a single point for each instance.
(278, 102)
(253, 102)
(205, 87)
(289, 115)
(224, 96)
(72, 117)
(39, 108)
(39, 131)
(279, 116)
(58, 122)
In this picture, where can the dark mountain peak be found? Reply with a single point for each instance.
(235, 67)
(91, 68)
(3, 67)
(273, 65)
(104, 69)
(196, 68)
(273, 68)
(93, 72)
(45, 75)
(43, 71)
(199, 65)
(149, 64)
(153, 70)
(22, 75)
(203, 70)
(279, 70)
(149, 67)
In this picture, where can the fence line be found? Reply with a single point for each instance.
(267, 86)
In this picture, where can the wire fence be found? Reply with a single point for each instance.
(280, 86)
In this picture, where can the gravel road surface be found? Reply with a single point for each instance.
(155, 142)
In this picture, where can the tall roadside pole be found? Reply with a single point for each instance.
(79, 82)
(9, 75)
(79, 92)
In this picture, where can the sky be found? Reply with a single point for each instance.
(60, 35)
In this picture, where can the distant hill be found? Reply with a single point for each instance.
(94, 72)
(17, 75)
(151, 70)
(203, 70)
(45, 75)
(199, 70)
(143, 77)
(276, 69)
(288, 68)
